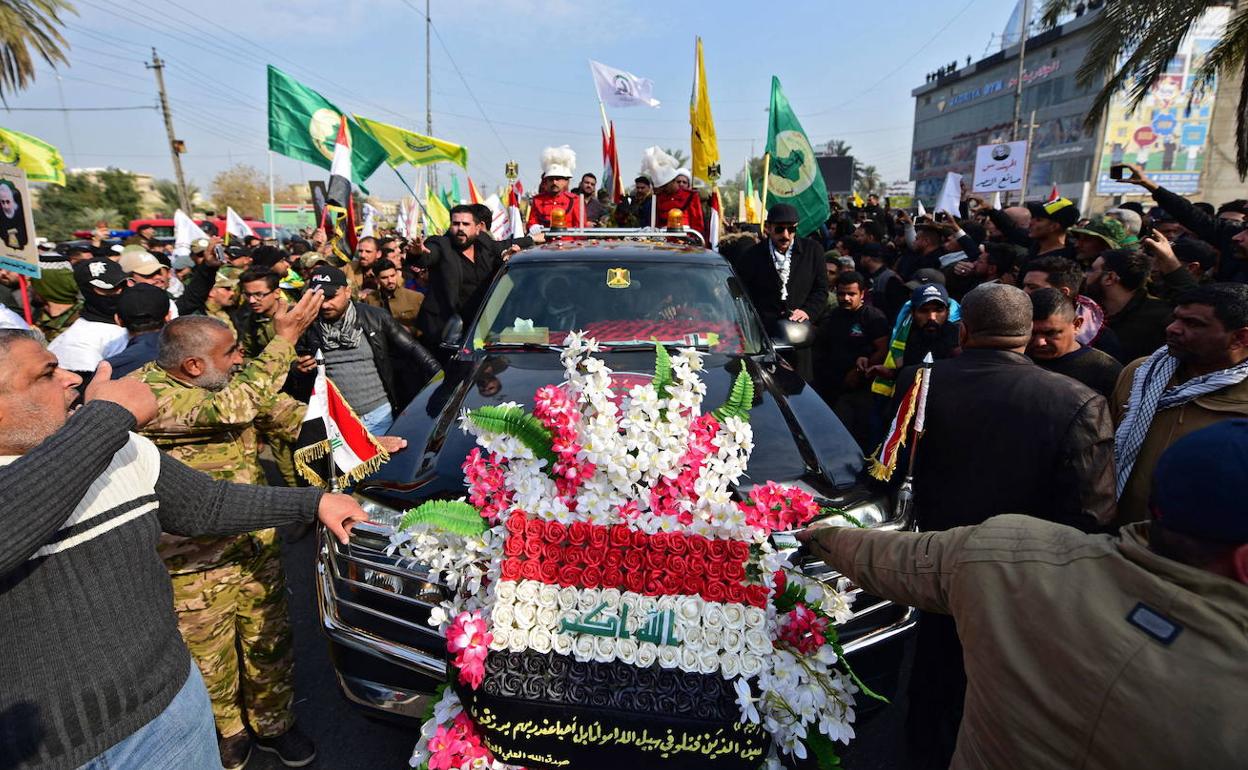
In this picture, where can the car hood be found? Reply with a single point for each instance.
(797, 438)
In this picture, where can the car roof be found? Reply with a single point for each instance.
(590, 250)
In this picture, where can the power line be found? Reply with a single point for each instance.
(77, 109)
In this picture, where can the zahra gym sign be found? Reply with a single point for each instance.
(1001, 85)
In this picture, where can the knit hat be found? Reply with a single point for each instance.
(558, 162)
(1185, 501)
(56, 283)
(1106, 228)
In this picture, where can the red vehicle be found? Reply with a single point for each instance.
(214, 226)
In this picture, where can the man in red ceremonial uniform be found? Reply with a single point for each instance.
(672, 190)
(557, 166)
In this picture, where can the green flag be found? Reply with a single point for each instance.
(794, 176)
(303, 125)
(404, 146)
(41, 161)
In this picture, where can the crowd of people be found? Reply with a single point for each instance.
(1073, 357)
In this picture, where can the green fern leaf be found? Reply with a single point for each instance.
(740, 398)
(514, 421)
(448, 515)
(662, 370)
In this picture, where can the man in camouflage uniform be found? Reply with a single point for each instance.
(222, 301)
(230, 592)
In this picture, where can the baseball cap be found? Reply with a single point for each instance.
(181, 262)
(100, 273)
(225, 281)
(329, 278)
(924, 276)
(783, 213)
(929, 292)
(136, 259)
(142, 303)
(1108, 229)
(1062, 211)
(1184, 501)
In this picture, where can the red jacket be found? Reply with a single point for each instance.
(543, 203)
(685, 200)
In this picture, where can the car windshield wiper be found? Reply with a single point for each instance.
(521, 346)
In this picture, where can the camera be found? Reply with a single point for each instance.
(1120, 172)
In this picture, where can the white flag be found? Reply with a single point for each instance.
(185, 232)
(370, 222)
(400, 225)
(500, 223)
(920, 211)
(236, 225)
(951, 194)
(617, 88)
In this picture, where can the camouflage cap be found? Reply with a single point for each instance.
(225, 281)
(1107, 229)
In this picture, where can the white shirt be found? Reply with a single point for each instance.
(82, 346)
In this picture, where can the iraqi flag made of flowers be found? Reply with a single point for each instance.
(613, 605)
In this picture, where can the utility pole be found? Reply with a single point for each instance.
(175, 146)
(432, 175)
(1024, 25)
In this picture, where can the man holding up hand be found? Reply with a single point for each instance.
(94, 669)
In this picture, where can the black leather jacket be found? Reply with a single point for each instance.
(389, 341)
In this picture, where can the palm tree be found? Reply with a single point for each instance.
(682, 157)
(867, 180)
(29, 29)
(167, 189)
(1134, 42)
(89, 216)
(837, 147)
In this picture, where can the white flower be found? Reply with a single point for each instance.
(732, 640)
(438, 617)
(712, 638)
(713, 617)
(583, 648)
(690, 609)
(505, 591)
(709, 661)
(548, 596)
(604, 649)
(502, 615)
(754, 617)
(525, 616)
(646, 654)
(734, 617)
(540, 639)
(746, 701)
(757, 641)
(751, 664)
(517, 641)
(626, 650)
(588, 600)
(669, 657)
(562, 644)
(692, 636)
(527, 590)
(548, 617)
(729, 665)
(500, 638)
(690, 660)
(567, 598)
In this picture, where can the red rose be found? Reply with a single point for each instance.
(511, 569)
(634, 560)
(672, 582)
(714, 571)
(736, 593)
(655, 560)
(532, 570)
(569, 575)
(717, 549)
(578, 532)
(698, 545)
(734, 571)
(614, 559)
(659, 542)
(679, 544)
(513, 547)
(533, 529)
(574, 555)
(620, 536)
(598, 537)
(636, 581)
(612, 578)
(738, 550)
(515, 523)
(781, 579)
(654, 583)
(677, 564)
(552, 532)
(552, 553)
(533, 549)
(640, 540)
(714, 591)
(756, 595)
(595, 556)
(693, 584)
(591, 577)
(550, 572)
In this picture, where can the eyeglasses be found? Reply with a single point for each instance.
(785, 228)
(257, 294)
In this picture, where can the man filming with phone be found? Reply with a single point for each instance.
(1229, 237)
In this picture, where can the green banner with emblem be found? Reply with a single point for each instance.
(793, 175)
(304, 125)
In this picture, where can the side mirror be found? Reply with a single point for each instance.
(788, 335)
(452, 332)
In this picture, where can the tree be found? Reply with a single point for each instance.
(867, 180)
(167, 189)
(109, 196)
(1134, 43)
(118, 191)
(29, 29)
(241, 187)
(836, 147)
(682, 157)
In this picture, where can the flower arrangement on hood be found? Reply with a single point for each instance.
(607, 533)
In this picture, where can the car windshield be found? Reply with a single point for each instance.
(620, 304)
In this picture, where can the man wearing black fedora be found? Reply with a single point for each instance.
(785, 278)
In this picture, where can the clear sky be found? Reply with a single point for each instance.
(847, 68)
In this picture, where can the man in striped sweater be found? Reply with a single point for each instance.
(94, 672)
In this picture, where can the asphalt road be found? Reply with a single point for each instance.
(347, 740)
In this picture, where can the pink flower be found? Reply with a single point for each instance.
(446, 749)
(775, 507)
(803, 630)
(468, 639)
(487, 483)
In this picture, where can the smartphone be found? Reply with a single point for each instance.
(1117, 172)
(219, 252)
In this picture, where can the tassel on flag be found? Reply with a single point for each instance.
(332, 429)
(885, 461)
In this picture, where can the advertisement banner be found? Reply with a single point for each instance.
(1165, 135)
(17, 229)
(1000, 167)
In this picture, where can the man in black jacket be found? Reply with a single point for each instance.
(1001, 435)
(360, 343)
(785, 278)
(461, 268)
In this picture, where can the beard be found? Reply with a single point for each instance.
(461, 242)
(31, 424)
(1095, 291)
(214, 379)
(930, 329)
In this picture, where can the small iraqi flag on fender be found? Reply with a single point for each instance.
(331, 428)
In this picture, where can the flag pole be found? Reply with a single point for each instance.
(272, 202)
(766, 176)
(905, 495)
(331, 478)
(24, 283)
(410, 190)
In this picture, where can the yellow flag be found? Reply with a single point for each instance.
(705, 146)
(41, 161)
(438, 216)
(404, 146)
(858, 201)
